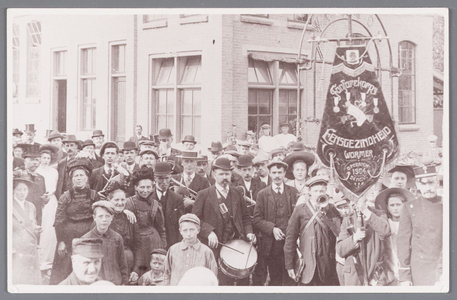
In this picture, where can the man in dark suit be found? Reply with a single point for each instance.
(30, 133)
(38, 195)
(64, 183)
(100, 176)
(138, 135)
(260, 164)
(273, 209)
(202, 168)
(130, 151)
(165, 139)
(190, 178)
(223, 213)
(172, 203)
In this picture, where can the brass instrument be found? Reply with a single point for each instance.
(192, 193)
(248, 199)
(323, 200)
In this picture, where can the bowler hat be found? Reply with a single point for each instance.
(193, 155)
(381, 199)
(317, 180)
(54, 135)
(108, 145)
(30, 128)
(189, 218)
(163, 168)
(223, 164)
(88, 247)
(277, 163)
(70, 138)
(129, 145)
(105, 204)
(306, 157)
(245, 161)
(216, 147)
(189, 139)
(165, 133)
(97, 132)
(88, 143)
(32, 151)
(17, 131)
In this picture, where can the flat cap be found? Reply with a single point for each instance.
(88, 247)
(277, 163)
(149, 151)
(159, 251)
(104, 204)
(189, 218)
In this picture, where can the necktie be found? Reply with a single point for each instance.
(224, 192)
(278, 190)
(188, 181)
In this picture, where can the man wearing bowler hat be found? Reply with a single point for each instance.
(189, 177)
(86, 261)
(64, 183)
(224, 215)
(420, 233)
(172, 203)
(166, 138)
(284, 138)
(272, 211)
(88, 150)
(216, 150)
(30, 133)
(99, 139)
(37, 195)
(251, 185)
(202, 168)
(189, 143)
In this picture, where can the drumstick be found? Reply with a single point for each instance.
(247, 258)
(231, 248)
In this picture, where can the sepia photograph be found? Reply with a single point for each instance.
(228, 150)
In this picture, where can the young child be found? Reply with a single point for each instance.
(155, 275)
(188, 253)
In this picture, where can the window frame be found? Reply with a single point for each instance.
(87, 77)
(412, 75)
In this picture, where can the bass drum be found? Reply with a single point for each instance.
(237, 259)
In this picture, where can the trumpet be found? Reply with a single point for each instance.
(250, 200)
(192, 193)
(323, 200)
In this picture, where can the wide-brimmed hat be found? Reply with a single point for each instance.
(97, 132)
(79, 163)
(189, 139)
(245, 161)
(306, 157)
(70, 138)
(381, 199)
(216, 147)
(87, 143)
(129, 145)
(408, 170)
(32, 151)
(108, 145)
(193, 155)
(223, 164)
(17, 131)
(163, 168)
(277, 163)
(316, 180)
(54, 135)
(232, 150)
(30, 184)
(54, 152)
(30, 128)
(165, 133)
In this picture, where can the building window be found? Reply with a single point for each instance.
(33, 59)
(60, 63)
(265, 91)
(177, 95)
(151, 18)
(88, 95)
(16, 59)
(407, 83)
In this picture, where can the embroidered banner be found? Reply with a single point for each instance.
(357, 133)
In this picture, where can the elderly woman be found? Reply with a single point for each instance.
(391, 201)
(128, 229)
(299, 163)
(48, 239)
(25, 260)
(149, 214)
(73, 216)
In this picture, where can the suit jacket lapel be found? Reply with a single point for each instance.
(214, 201)
(233, 200)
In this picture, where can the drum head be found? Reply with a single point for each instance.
(235, 259)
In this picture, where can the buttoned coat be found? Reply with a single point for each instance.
(173, 210)
(265, 215)
(206, 207)
(25, 260)
(420, 241)
(315, 257)
(377, 232)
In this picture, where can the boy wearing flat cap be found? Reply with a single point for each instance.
(154, 277)
(188, 253)
(86, 261)
(114, 266)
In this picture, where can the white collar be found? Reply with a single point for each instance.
(275, 187)
(221, 188)
(247, 184)
(160, 193)
(185, 176)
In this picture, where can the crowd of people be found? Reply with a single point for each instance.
(154, 212)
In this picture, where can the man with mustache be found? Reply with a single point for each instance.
(64, 183)
(420, 233)
(224, 215)
(100, 176)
